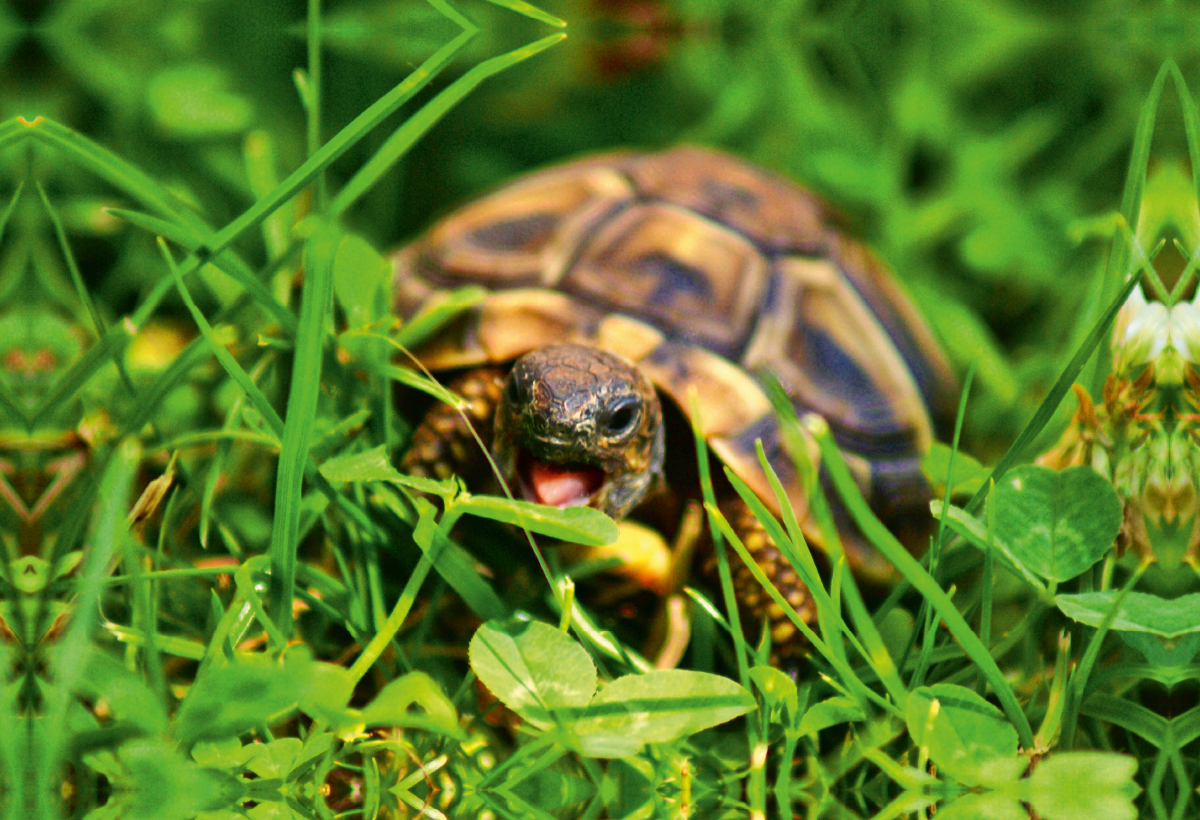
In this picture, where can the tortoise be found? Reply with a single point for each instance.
(615, 279)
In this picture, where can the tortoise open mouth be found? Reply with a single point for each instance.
(559, 485)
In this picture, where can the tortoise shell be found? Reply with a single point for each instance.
(703, 270)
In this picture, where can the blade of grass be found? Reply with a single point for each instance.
(142, 187)
(1131, 199)
(121, 174)
(1053, 398)
(793, 437)
(989, 570)
(193, 239)
(10, 207)
(853, 684)
(426, 535)
(430, 320)
(455, 16)
(315, 300)
(521, 7)
(799, 555)
(723, 572)
(1191, 123)
(232, 420)
(107, 534)
(256, 397)
(259, 153)
(313, 41)
(925, 615)
(912, 570)
(98, 327)
(805, 567)
(341, 142)
(235, 370)
(1080, 675)
(415, 126)
(15, 131)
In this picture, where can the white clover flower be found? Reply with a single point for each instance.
(1145, 330)
(1185, 330)
(1142, 331)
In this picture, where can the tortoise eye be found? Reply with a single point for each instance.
(622, 419)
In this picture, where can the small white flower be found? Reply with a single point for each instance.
(1143, 329)
(1185, 330)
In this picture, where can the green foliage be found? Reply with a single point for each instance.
(1138, 612)
(548, 679)
(1058, 524)
(966, 737)
(198, 295)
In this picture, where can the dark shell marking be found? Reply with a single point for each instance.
(702, 269)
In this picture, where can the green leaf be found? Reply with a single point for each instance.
(579, 525)
(275, 759)
(656, 707)
(273, 810)
(374, 465)
(192, 102)
(968, 474)
(361, 279)
(974, 531)
(778, 691)
(1141, 612)
(371, 465)
(1056, 523)
(433, 318)
(403, 138)
(533, 668)
(158, 783)
(129, 699)
(1083, 786)
(830, 712)
(227, 753)
(251, 690)
(968, 738)
(29, 574)
(326, 692)
(986, 806)
(393, 706)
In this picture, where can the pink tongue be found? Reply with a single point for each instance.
(561, 486)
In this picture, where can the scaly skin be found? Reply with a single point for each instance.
(442, 445)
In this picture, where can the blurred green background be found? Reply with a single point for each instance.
(969, 142)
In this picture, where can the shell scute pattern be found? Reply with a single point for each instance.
(907, 331)
(526, 234)
(676, 269)
(703, 270)
(770, 211)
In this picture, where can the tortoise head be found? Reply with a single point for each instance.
(577, 425)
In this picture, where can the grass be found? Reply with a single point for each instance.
(290, 628)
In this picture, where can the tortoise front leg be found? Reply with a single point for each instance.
(443, 444)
